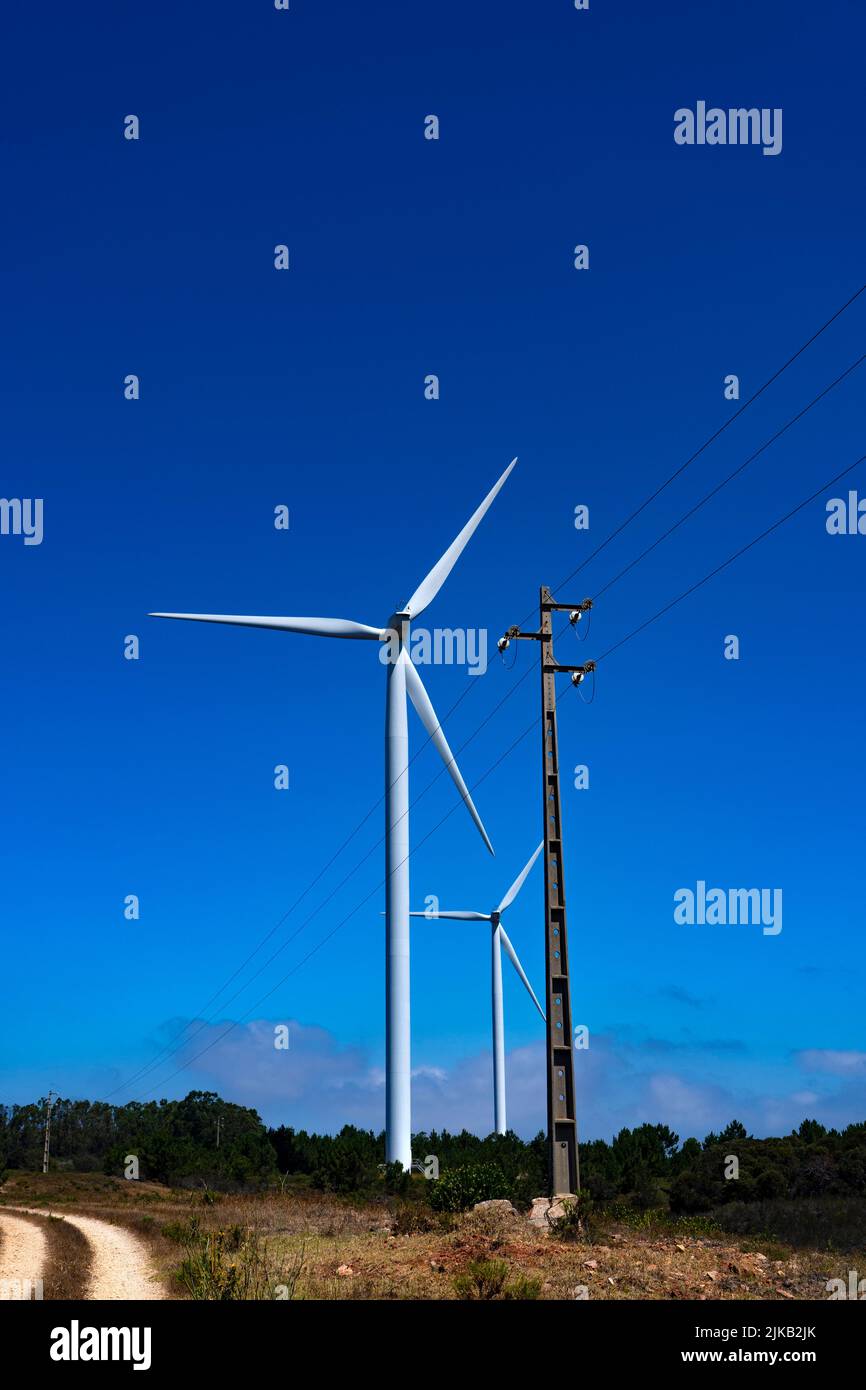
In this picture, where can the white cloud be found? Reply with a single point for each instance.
(320, 1083)
(833, 1062)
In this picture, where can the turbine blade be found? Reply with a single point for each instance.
(429, 587)
(519, 882)
(426, 713)
(454, 916)
(314, 627)
(518, 967)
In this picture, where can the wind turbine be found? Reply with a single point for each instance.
(402, 678)
(498, 937)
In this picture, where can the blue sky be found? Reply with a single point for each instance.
(305, 388)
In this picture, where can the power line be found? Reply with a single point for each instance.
(730, 477)
(770, 529)
(713, 437)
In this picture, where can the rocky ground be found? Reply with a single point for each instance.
(133, 1237)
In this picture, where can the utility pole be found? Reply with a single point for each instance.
(564, 1163)
(47, 1147)
(219, 1122)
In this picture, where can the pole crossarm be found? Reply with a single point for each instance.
(575, 612)
(553, 666)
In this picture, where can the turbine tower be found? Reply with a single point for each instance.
(498, 938)
(402, 679)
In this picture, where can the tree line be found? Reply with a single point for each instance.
(204, 1139)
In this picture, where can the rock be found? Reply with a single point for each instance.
(344, 1271)
(497, 1205)
(558, 1208)
(538, 1214)
(546, 1210)
(590, 1264)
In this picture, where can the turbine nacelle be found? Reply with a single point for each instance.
(396, 630)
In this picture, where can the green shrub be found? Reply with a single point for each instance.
(181, 1231)
(482, 1279)
(396, 1179)
(488, 1279)
(823, 1223)
(658, 1221)
(523, 1288)
(414, 1218)
(220, 1267)
(573, 1223)
(461, 1187)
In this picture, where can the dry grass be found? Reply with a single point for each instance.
(322, 1247)
(69, 1259)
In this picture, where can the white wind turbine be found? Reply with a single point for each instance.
(403, 678)
(498, 937)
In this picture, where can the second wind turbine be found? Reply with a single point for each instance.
(403, 679)
(498, 939)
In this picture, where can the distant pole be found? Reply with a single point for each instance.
(219, 1122)
(564, 1161)
(47, 1147)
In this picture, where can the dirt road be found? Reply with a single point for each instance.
(121, 1265)
(22, 1256)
